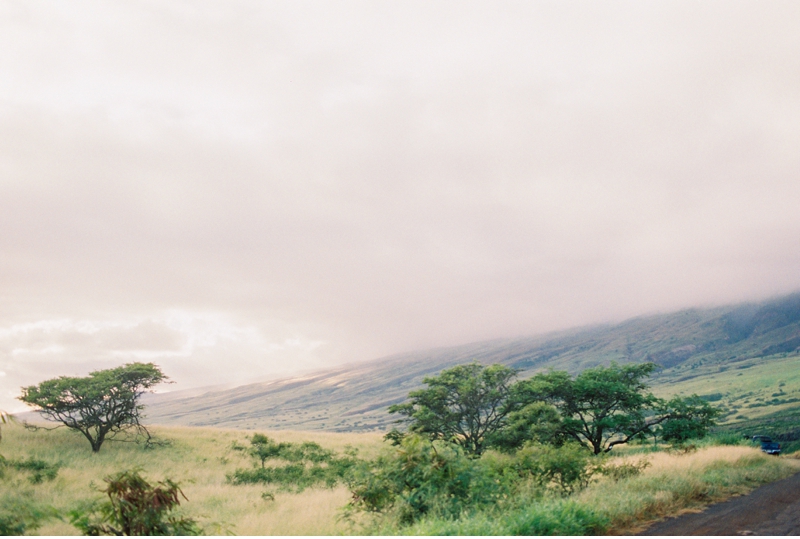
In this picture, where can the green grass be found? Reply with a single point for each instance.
(672, 484)
(200, 458)
(766, 386)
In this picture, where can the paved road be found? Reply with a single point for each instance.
(773, 509)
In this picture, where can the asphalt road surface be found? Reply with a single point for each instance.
(773, 509)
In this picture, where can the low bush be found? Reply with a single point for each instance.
(419, 477)
(38, 470)
(20, 513)
(724, 438)
(135, 507)
(422, 479)
(564, 469)
(305, 465)
(543, 490)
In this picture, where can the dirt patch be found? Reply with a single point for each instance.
(773, 509)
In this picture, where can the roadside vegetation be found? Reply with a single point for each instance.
(477, 451)
(200, 460)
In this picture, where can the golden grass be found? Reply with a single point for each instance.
(198, 459)
(675, 483)
(665, 462)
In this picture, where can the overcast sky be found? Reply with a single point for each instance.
(236, 190)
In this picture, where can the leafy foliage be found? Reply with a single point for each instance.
(624, 470)
(306, 465)
(478, 407)
(534, 422)
(99, 406)
(419, 477)
(135, 507)
(39, 470)
(601, 407)
(688, 418)
(20, 513)
(565, 469)
(463, 404)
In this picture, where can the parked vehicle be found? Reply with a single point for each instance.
(761, 439)
(771, 448)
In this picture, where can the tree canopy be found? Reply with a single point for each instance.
(463, 404)
(601, 406)
(99, 406)
(477, 407)
(687, 418)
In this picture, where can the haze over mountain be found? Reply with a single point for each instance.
(693, 345)
(243, 189)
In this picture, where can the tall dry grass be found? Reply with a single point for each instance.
(198, 459)
(677, 482)
(673, 483)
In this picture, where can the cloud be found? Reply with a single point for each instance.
(192, 347)
(380, 178)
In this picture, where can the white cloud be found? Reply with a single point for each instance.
(194, 348)
(242, 188)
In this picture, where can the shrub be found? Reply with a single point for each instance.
(421, 477)
(564, 469)
(308, 465)
(624, 470)
(20, 513)
(39, 470)
(135, 507)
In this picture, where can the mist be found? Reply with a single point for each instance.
(243, 190)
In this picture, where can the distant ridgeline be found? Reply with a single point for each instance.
(746, 358)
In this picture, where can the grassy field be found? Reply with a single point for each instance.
(200, 458)
(748, 389)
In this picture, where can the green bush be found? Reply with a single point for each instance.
(601, 508)
(20, 513)
(308, 465)
(135, 507)
(39, 470)
(421, 477)
(564, 469)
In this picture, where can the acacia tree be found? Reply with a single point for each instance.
(463, 404)
(606, 406)
(99, 406)
(688, 418)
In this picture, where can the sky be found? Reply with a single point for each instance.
(241, 190)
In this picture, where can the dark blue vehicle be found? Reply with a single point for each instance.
(771, 448)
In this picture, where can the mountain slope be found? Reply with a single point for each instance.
(693, 345)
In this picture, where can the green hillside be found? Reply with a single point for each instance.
(743, 357)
